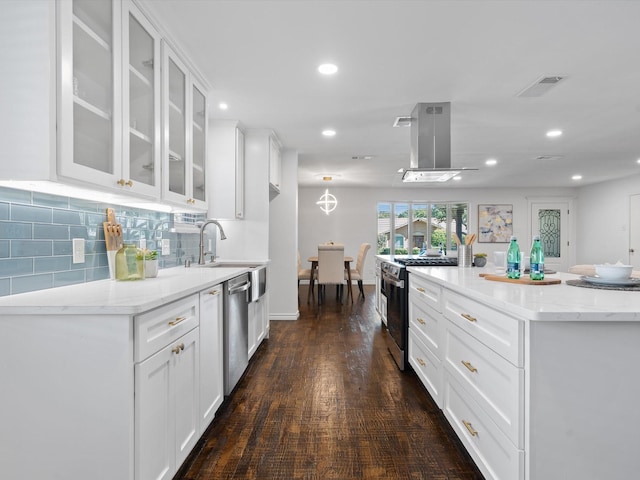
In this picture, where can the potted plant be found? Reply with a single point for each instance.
(150, 263)
(480, 259)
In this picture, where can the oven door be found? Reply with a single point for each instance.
(394, 292)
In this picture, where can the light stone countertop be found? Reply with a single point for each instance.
(110, 297)
(538, 302)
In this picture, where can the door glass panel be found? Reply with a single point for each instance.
(550, 230)
(141, 105)
(199, 112)
(93, 85)
(177, 128)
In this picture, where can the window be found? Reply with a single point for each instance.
(416, 227)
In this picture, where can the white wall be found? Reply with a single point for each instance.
(248, 239)
(354, 221)
(283, 243)
(603, 221)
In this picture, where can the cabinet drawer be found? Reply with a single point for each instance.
(425, 291)
(157, 328)
(428, 323)
(492, 451)
(501, 333)
(427, 366)
(496, 384)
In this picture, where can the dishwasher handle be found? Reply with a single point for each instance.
(241, 288)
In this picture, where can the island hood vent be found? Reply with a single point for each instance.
(431, 144)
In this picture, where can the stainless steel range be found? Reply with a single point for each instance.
(394, 286)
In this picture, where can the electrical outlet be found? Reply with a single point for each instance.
(143, 243)
(78, 250)
(166, 246)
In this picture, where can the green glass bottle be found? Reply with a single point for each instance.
(129, 263)
(536, 270)
(513, 259)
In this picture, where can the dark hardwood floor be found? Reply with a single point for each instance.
(323, 399)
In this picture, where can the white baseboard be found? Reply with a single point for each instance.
(284, 316)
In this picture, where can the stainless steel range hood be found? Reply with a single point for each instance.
(431, 144)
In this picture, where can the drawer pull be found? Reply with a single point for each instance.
(421, 321)
(214, 292)
(469, 366)
(178, 348)
(177, 321)
(474, 433)
(468, 317)
(420, 361)
(420, 289)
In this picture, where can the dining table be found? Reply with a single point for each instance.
(314, 265)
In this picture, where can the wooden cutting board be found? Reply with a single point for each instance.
(521, 281)
(112, 231)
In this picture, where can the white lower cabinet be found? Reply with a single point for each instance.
(470, 357)
(492, 451)
(257, 323)
(167, 398)
(426, 324)
(211, 355)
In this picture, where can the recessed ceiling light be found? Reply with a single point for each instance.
(491, 162)
(329, 133)
(401, 170)
(576, 177)
(457, 178)
(327, 69)
(554, 133)
(638, 161)
(223, 106)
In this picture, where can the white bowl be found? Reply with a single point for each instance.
(613, 272)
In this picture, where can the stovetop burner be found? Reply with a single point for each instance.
(428, 262)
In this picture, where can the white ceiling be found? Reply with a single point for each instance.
(261, 58)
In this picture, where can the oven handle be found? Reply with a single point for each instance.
(392, 281)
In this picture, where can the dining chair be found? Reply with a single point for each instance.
(330, 268)
(304, 274)
(358, 273)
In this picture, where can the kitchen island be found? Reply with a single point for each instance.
(539, 382)
(111, 380)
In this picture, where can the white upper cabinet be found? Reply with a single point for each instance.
(227, 165)
(185, 124)
(89, 110)
(113, 123)
(141, 105)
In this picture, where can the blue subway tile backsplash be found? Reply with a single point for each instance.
(36, 232)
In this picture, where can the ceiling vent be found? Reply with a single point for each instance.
(402, 122)
(541, 86)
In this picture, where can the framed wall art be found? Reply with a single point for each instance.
(495, 223)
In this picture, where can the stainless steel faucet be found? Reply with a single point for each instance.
(204, 225)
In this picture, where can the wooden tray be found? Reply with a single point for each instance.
(521, 281)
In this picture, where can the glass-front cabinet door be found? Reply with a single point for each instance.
(141, 106)
(175, 127)
(90, 90)
(198, 136)
(185, 127)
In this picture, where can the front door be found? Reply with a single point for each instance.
(550, 219)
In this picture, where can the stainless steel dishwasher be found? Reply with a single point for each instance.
(236, 330)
